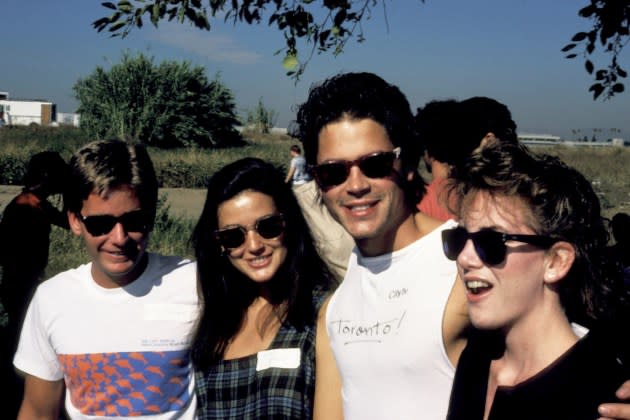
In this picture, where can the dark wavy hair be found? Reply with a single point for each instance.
(359, 96)
(564, 206)
(485, 115)
(450, 130)
(226, 293)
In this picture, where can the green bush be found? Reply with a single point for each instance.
(171, 104)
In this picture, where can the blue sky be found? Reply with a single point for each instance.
(505, 49)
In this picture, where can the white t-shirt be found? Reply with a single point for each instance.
(385, 328)
(123, 352)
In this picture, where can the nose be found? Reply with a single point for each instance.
(253, 241)
(357, 183)
(468, 257)
(118, 234)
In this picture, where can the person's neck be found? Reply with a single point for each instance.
(439, 170)
(403, 235)
(122, 280)
(533, 344)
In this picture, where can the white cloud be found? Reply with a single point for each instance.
(203, 43)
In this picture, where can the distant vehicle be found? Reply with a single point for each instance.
(27, 112)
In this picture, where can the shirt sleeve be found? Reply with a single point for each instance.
(35, 354)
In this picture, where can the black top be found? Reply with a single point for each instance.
(572, 387)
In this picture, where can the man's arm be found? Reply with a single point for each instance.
(619, 411)
(289, 176)
(42, 399)
(456, 322)
(327, 404)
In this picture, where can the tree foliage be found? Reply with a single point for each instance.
(261, 119)
(167, 105)
(325, 25)
(610, 31)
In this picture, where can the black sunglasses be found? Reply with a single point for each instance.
(489, 244)
(268, 227)
(134, 221)
(375, 165)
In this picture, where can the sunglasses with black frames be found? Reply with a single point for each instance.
(489, 244)
(268, 227)
(101, 224)
(375, 165)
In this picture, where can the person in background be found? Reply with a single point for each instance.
(334, 244)
(262, 284)
(298, 171)
(331, 240)
(114, 334)
(620, 227)
(531, 251)
(450, 131)
(433, 123)
(24, 241)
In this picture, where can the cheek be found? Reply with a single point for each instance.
(282, 254)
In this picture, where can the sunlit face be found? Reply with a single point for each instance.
(502, 295)
(118, 257)
(370, 209)
(258, 258)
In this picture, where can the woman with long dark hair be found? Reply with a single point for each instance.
(261, 283)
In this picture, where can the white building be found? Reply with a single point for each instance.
(33, 112)
(26, 111)
(542, 139)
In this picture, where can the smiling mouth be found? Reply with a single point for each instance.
(477, 286)
(360, 208)
(259, 261)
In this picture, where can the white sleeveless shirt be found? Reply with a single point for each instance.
(385, 328)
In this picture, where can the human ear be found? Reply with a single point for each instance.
(75, 223)
(558, 261)
(489, 138)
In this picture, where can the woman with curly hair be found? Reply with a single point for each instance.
(531, 251)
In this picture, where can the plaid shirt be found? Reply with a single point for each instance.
(234, 389)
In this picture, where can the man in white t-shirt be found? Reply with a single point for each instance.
(113, 333)
(395, 327)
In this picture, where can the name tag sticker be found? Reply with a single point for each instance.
(278, 358)
(169, 312)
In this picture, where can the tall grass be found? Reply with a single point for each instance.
(607, 168)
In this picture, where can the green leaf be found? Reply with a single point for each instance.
(597, 90)
(588, 64)
(580, 36)
(290, 62)
(618, 88)
(109, 5)
(116, 26)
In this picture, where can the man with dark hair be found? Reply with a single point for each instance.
(449, 132)
(392, 329)
(114, 333)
